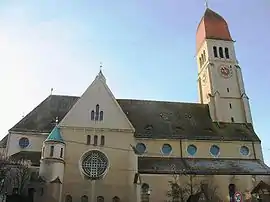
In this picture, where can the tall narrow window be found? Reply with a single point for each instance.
(200, 60)
(228, 90)
(84, 198)
(145, 192)
(51, 151)
(95, 140)
(227, 53)
(100, 199)
(97, 113)
(102, 140)
(68, 198)
(88, 139)
(221, 52)
(61, 153)
(92, 115)
(215, 51)
(232, 119)
(204, 55)
(232, 192)
(101, 116)
(43, 149)
(230, 105)
(116, 199)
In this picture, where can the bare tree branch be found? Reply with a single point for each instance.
(13, 175)
(193, 190)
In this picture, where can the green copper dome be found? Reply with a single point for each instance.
(55, 135)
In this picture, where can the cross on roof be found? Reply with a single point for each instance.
(206, 3)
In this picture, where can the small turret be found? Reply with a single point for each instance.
(52, 164)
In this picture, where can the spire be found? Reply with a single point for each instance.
(100, 75)
(55, 135)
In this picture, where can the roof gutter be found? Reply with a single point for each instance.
(28, 132)
(254, 151)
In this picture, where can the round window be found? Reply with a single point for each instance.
(141, 148)
(24, 142)
(166, 149)
(244, 150)
(191, 149)
(215, 150)
(94, 164)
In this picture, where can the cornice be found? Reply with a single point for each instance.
(91, 129)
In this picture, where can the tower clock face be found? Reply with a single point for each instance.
(225, 71)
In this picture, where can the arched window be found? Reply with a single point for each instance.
(116, 199)
(51, 151)
(92, 115)
(101, 116)
(200, 59)
(95, 140)
(88, 140)
(221, 52)
(100, 199)
(61, 152)
(227, 53)
(145, 192)
(68, 198)
(102, 140)
(204, 54)
(97, 112)
(84, 198)
(231, 192)
(215, 51)
(43, 149)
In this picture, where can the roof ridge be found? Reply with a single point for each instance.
(161, 101)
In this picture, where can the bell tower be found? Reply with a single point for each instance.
(220, 81)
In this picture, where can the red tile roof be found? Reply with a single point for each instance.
(212, 26)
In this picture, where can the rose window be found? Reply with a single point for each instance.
(94, 164)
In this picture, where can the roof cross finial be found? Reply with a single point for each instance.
(100, 66)
(51, 91)
(206, 3)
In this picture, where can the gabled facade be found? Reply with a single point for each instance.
(98, 148)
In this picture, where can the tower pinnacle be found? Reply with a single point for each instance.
(206, 3)
(100, 66)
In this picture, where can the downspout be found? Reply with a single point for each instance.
(181, 149)
(254, 151)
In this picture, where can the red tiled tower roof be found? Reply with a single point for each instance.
(212, 26)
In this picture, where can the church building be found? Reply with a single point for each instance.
(99, 148)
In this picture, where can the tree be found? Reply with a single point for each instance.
(209, 191)
(14, 175)
(179, 192)
(193, 190)
(3, 171)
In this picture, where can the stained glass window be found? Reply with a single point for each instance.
(95, 164)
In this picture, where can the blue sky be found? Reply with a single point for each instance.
(147, 49)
